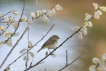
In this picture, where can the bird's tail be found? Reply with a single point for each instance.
(39, 50)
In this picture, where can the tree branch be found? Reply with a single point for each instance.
(69, 63)
(6, 14)
(66, 57)
(11, 36)
(31, 47)
(26, 64)
(7, 27)
(54, 49)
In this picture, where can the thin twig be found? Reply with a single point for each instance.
(31, 47)
(26, 64)
(66, 57)
(70, 63)
(12, 35)
(31, 62)
(6, 14)
(13, 47)
(54, 49)
(45, 69)
(36, 6)
(18, 23)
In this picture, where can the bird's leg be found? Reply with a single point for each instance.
(49, 50)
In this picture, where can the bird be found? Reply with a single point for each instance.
(50, 43)
(7, 69)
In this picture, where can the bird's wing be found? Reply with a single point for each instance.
(48, 43)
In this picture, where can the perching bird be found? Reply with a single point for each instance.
(7, 69)
(50, 43)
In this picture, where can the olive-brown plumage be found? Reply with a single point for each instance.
(50, 43)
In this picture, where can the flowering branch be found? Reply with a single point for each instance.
(5, 14)
(31, 47)
(100, 64)
(13, 48)
(11, 36)
(6, 27)
(69, 63)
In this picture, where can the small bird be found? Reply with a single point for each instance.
(50, 43)
(7, 69)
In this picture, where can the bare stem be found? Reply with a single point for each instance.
(6, 14)
(26, 64)
(66, 57)
(70, 63)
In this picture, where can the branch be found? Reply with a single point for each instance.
(54, 49)
(13, 47)
(6, 14)
(66, 57)
(26, 64)
(7, 27)
(11, 36)
(70, 63)
(31, 47)
(18, 22)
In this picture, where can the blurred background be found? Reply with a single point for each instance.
(73, 14)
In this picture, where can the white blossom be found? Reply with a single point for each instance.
(90, 24)
(80, 35)
(75, 29)
(53, 11)
(103, 8)
(29, 21)
(31, 54)
(58, 7)
(30, 44)
(23, 51)
(96, 60)
(49, 13)
(92, 68)
(44, 11)
(84, 30)
(33, 15)
(8, 34)
(87, 16)
(46, 18)
(6, 18)
(9, 42)
(104, 57)
(1, 44)
(95, 6)
(15, 24)
(2, 28)
(101, 66)
(96, 15)
(39, 13)
(24, 19)
(99, 12)
(15, 13)
(86, 24)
